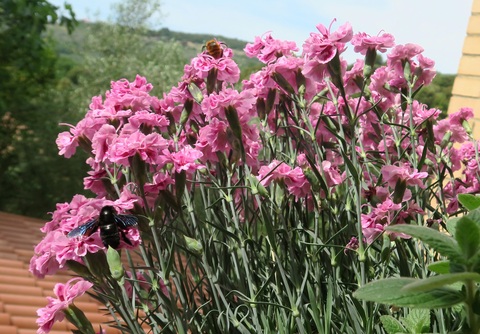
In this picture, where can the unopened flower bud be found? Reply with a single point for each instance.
(196, 92)
(193, 245)
(115, 264)
(257, 187)
(370, 57)
(282, 82)
(187, 110)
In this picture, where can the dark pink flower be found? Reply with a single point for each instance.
(352, 245)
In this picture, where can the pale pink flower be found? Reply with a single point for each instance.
(144, 117)
(273, 171)
(391, 174)
(268, 49)
(183, 160)
(454, 125)
(102, 140)
(370, 227)
(332, 174)
(65, 293)
(148, 147)
(363, 42)
(384, 214)
(324, 46)
(403, 52)
(67, 144)
(227, 69)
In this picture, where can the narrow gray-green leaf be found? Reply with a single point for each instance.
(438, 281)
(440, 242)
(389, 291)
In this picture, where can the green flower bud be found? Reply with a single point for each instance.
(257, 187)
(115, 264)
(138, 168)
(261, 108)
(187, 110)
(193, 245)
(211, 80)
(370, 57)
(282, 82)
(399, 191)
(196, 92)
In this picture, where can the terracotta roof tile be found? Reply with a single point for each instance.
(21, 294)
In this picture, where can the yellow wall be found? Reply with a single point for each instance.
(466, 88)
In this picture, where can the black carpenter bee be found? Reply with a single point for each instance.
(111, 227)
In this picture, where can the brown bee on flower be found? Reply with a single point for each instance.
(214, 48)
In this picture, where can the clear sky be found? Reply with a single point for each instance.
(439, 26)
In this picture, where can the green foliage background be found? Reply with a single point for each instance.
(49, 76)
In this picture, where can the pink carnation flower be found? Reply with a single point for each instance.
(65, 293)
(391, 174)
(324, 46)
(183, 160)
(268, 49)
(363, 42)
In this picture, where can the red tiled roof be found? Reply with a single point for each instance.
(21, 294)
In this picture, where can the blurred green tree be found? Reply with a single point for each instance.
(28, 69)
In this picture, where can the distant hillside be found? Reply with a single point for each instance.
(67, 45)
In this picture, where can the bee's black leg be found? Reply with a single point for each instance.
(124, 237)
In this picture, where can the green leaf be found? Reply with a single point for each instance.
(390, 291)
(469, 201)
(420, 319)
(440, 242)
(76, 316)
(468, 235)
(434, 282)
(440, 267)
(474, 215)
(392, 325)
(452, 225)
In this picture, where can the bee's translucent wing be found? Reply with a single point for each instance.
(86, 229)
(126, 221)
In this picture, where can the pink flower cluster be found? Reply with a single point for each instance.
(310, 106)
(189, 129)
(52, 253)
